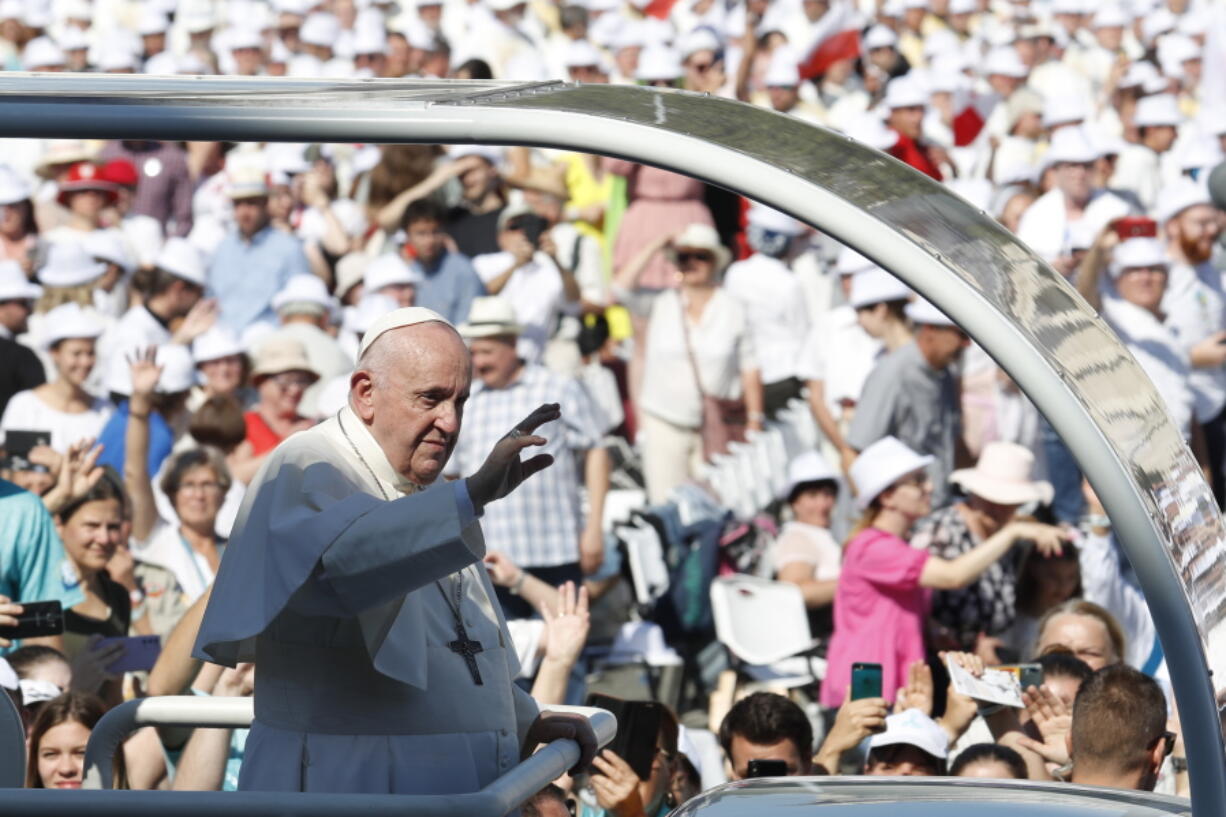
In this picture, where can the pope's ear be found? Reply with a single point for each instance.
(362, 394)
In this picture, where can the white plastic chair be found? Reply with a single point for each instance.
(764, 625)
(645, 555)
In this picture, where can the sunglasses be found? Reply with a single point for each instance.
(1169, 738)
(684, 257)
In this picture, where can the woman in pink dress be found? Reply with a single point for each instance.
(884, 583)
(661, 204)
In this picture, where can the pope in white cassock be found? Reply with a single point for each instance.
(356, 585)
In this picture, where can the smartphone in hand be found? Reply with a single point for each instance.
(140, 653)
(865, 681)
(37, 619)
(767, 768)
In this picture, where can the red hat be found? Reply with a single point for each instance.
(120, 172)
(84, 176)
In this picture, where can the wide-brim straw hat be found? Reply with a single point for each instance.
(278, 355)
(701, 237)
(490, 316)
(1002, 476)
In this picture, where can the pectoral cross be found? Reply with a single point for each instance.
(468, 648)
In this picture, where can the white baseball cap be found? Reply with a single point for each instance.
(182, 260)
(389, 269)
(921, 311)
(41, 52)
(658, 62)
(874, 286)
(69, 320)
(807, 467)
(14, 285)
(913, 728)
(882, 464)
(1138, 252)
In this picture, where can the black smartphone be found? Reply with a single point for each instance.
(865, 681)
(767, 768)
(19, 443)
(38, 618)
(638, 726)
(531, 225)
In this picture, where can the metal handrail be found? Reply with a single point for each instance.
(498, 798)
(171, 710)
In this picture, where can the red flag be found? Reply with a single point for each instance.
(842, 46)
(967, 126)
(660, 9)
(836, 36)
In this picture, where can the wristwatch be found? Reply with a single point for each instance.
(519, 583)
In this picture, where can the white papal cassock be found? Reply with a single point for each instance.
(332, 591)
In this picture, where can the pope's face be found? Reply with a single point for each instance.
(418, 406)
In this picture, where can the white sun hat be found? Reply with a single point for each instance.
(14, 285)
(69, 320)
(13, 188)
(69, 265)
(913, 728)
(389, 269)
(182, 260)
(215, 343)
(1178, 196)
(921, 311)
(1157, 110)
(107, 245)
(302, 289)
(490, 316)
(874, 286)
(807, 467)
(1003, 476)
(882, 464)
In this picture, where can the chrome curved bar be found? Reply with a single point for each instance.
(1025, 316)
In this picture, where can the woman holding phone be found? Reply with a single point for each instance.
(883, 591)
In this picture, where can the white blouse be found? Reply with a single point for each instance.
(26, 412)
(722, 348)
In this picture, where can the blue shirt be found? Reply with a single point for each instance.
(161, 440)
(450, 286)
(244, 275)
(31, 554)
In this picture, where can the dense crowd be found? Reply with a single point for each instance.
(170, 312)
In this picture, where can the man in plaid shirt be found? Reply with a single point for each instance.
(541, 526)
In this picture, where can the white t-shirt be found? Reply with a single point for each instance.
(534, 291)
(722, 348)
(775, 306)
(26, 412)
(839, 353)
(802, 542)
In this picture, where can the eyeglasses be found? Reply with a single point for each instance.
(288, 380)
(684, 257)
(1169, 738)
(202, 487)
(702, 67)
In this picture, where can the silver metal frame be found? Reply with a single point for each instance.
(1023, 314)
